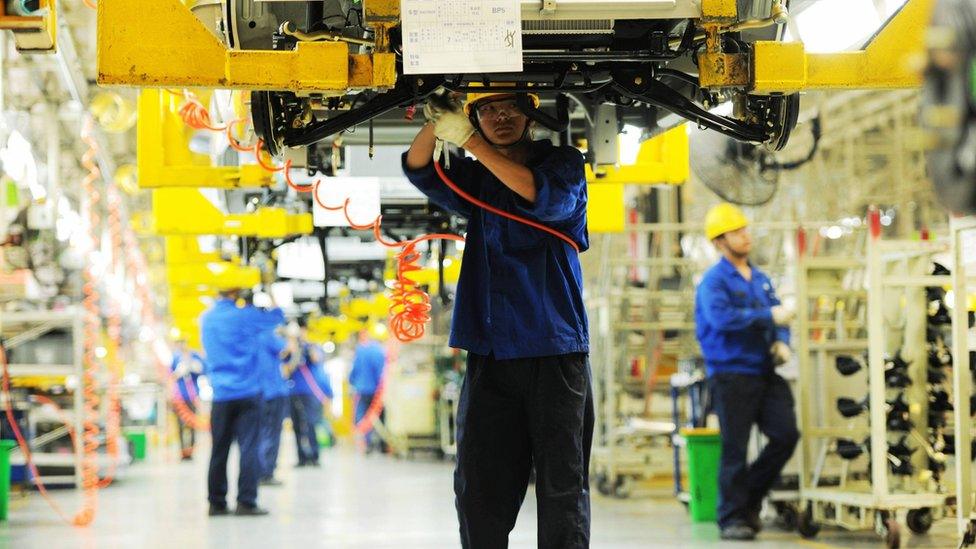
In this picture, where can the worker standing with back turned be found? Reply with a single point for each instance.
(519, 313)
(231, 338)
(744, 336)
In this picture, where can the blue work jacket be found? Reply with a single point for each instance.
(734, 322)
(299, 384)
(367, 368)
(274, 385)
(231, 338)
(188, 386)
(520, 292)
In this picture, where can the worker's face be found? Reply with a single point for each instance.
(738, 242)
(501, 121)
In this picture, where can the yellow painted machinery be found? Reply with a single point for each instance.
(165, 158)
(319, 68)
(33, 24)
(188, 212)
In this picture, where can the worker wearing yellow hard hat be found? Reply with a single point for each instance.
(743, 329)
(722, 219)
(519, 313)
(495, 104)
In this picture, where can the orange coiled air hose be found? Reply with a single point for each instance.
(92, 330)
(113, 427)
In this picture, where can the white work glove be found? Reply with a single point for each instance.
(782, 315)
(781, 353)
(453, 127)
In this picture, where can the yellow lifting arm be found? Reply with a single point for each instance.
(160, 43)
(892, 59)
(164, 155)
(188, 212)
(218, 276)
(663, 159)
(186, 249)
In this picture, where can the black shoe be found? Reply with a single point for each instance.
(250, 511)
(271, 481)
(218, 510)
(738, 532)
(753, 521)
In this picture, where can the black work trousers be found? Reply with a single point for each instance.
(741, 401)
(235, 420)
(187, 432)
(514, 414)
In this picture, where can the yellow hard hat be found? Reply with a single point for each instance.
(722, 219)
(475, 97)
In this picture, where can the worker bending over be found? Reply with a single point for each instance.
(526, 399)
(231, 334)
(744, 336)
(186, 368)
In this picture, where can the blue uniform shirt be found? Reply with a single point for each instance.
(733, 321)
(188, 386)
(298, 382)
(367, 368)
(274, 385)
(520, 292)
(231, 338)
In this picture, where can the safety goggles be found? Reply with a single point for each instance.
(494, 108)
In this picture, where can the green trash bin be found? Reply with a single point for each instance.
(704, 453)
(137, 440)
(6, 446)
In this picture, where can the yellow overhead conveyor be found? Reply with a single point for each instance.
(161, 43)
(164, 155)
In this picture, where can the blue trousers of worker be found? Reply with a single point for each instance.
(306, 413)
(741, 401)
(272, 415)
(513, 415)
(232, 420)
(363, 402)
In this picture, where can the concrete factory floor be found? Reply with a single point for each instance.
(354, 501)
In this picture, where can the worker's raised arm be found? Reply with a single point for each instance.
(422, 149)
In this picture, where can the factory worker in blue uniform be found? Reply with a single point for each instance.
(231, 333)
(527, 398)
(368, 363)
(304, 366)
(187, 367)
(744, 335)
(274, 390)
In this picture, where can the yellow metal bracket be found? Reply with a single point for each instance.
(33, 33)
(164, 155)
(661, 160)
(188, 212)
(894, 58)
(161, 43)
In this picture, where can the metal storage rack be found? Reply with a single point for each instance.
(859, 294)
(20, 328)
